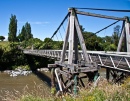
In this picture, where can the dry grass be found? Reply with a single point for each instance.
(103, 92)
(27, 94)
(107, 92)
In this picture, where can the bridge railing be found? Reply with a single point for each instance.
(114, 60)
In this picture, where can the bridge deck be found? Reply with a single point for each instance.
(113, 60)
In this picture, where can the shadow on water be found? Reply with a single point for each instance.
(44, 62)
(43, 77)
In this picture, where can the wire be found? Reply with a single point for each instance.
(58, 28)
(64, 28)
(113, 10)
(57, 37)
(60, 35)
(106, 27)
(103, 28)
(60, 25)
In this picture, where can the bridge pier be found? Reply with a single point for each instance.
(53, 78)
(107, 74)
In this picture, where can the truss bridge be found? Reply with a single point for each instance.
(72, 65)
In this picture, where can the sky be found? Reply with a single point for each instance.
(46, 15)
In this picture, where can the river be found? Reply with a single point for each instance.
(39, 81)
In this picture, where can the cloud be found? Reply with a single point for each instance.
(39, 23)
(35, 23)
(21, 22)
(6, 38)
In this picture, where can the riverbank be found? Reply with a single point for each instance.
(103, 92)
(37, 87)
(23, 72)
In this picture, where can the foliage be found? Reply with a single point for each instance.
(11, 56)
(92, 41)
(2, 38)
(25, 67)
(116, 35)
(25, 34)
(32, 42)
(21, 35)
(28, 33)
(12, 29)
(39, 44)
(48, 43)
(107, 43)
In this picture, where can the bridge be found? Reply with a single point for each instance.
(72, 65)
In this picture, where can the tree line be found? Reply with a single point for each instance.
(25, 33)
(11, 55)
(92, 41)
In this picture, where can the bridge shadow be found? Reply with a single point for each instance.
(42, 76)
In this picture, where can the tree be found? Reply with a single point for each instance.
(92, 41)
(21, 35)
(116, 35)
(28, 33)
(2, 38)
(12, 29)
(48, 43)
(25, 33)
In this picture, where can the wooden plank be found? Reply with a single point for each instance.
(71, 39)
(121, 40)
(75, 46)
(127, 29)
(65, 43)
(99, 15)
(81, 40)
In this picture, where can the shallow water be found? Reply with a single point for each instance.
(32, 81)
(18, 83)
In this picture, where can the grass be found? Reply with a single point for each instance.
(103, 92)
(4, 43)
(37, 94)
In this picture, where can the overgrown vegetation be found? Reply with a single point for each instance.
(12, 57)
(103, 92)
